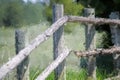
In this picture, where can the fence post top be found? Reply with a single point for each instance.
(20, 32)
(89, 9)
(58, 5)
(114, 15)
(89, 12)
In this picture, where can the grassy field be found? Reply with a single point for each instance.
(71, 74)
(41, 57)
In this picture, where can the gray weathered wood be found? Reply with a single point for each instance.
(16, 60)
(112, 50)
(22, 69)
(92, 20)
(53, 65)
(115, 31)
(58, 42)
(90, 42)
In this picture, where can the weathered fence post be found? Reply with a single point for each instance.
(115, 32)
(22, 69)
(90, 42)
(58, 42)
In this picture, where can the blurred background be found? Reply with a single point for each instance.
(35, 16)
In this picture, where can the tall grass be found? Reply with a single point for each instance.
(70, 74)
(101, 75)
(34, 72)
(76, 75)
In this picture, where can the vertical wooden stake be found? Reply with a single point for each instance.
(22, 69)
(90, 42)
(115, 32)
(58, 42)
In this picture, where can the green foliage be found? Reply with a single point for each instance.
(13, 14)
(97, 4)
(70, 74)
(70, 8)
(51, 76)
(48, 12)
(102, 7)
(76, 75)
(34, 72)
(17, 13)
(103, 40)
(33, 13)
(69, 27)
(101, 74)
(116, 1)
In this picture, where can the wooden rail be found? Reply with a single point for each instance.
(98, 21)
(53, 65)
(113, 50)
(16, 60)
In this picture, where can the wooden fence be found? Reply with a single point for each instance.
(60, 51)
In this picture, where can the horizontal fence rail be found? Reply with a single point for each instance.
(112, 50)
(98, 21)
(16, 60)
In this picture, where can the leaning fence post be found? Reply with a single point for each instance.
(115, 31)
(58, 42)
(90, 42)
(22, 69)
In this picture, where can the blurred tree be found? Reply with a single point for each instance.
(13, 13)
(70, 8)
(33, 13)
(102, 7)
(18, 13)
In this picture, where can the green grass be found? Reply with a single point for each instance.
(70, 74)
(7, 49)
(76, 75)
(101, 75)
(34, 72)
